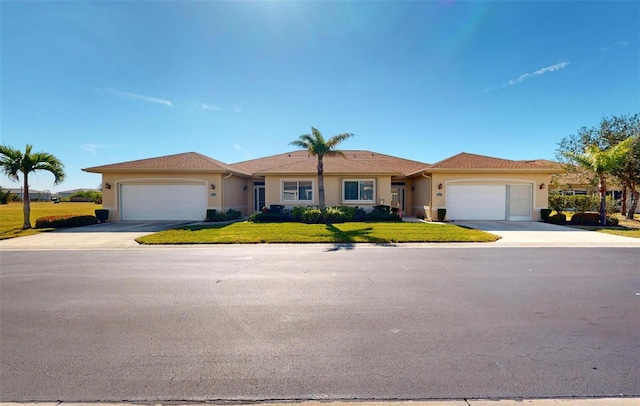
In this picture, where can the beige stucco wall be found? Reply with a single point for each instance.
(110, 196)
(540, 196)
(420, 197)
(332, 190)
(236, 194)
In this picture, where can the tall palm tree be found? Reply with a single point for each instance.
(13, 162)
(318, 147)
(603, 162)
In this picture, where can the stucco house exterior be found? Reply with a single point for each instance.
(184, 186)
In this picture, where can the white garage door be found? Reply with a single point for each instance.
(476, 202)
(163, 202)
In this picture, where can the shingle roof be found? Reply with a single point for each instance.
(354, 162)
(188, 161)
(465, 160)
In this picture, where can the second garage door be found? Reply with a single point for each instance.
(489, 202)
(163, 202)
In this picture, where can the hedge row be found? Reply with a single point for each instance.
(65, 221)
(313, 215)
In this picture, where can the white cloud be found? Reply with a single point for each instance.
(237, 109)
(91, 148)
(136, 96)
(208, 107)
(527, 76)
(621, 44)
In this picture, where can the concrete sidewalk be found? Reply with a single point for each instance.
(461, 402)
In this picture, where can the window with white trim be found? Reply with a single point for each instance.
(297, 191)
(358, 190)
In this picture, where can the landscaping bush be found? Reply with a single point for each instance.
(612, 221)
(312, 216)
(348, 212)
(5, 196)
(269, 217)
(558, 218)
(276, 208)
(382, 216)
(65, 221)
(558, 202)
(381, 208)
(231, 214)
(333, 215)
(585, 219)
(86, 196)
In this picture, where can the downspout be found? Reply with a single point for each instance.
(222, 195)
(430, 194)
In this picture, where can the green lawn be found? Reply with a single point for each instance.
(11, 217)
(251, 233)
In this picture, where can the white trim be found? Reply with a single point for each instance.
(297, 200)
(352, 201)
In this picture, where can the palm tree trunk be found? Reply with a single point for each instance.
(602, 188)
(320, 183)
(26, 204)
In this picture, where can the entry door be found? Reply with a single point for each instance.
(397, 197)
(520, 201)
(258, 198)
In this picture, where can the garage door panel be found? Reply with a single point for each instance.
(163, 202)
(476, 202)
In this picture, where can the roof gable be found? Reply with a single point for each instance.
(465, 160)
(188, 161)
(353, 161)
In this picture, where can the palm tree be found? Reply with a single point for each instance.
(13, 162)
(603, 162)
(318, 147)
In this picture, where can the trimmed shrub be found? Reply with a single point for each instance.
(612, 221)
(231, 214)
(381, 208)
(558, 202)
(382, 216)
(333, 215)
(268, 217)
(65, 221)
(276, 208)
(312, 216)
(348, 212)
(586, 219)
(558, 218)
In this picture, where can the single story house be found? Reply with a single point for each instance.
(184, 186)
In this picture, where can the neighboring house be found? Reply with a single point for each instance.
(34, 195)
(184, 186)
(579, 181)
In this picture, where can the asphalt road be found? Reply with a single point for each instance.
(306, 322)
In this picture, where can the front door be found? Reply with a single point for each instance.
(258, 198)
(397, 198)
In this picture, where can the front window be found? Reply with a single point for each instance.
(297, 190)
(358, 190)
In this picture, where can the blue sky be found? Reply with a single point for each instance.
(102, 82)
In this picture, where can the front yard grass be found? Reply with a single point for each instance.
(358, 232)
(625, 228)
(11, 217)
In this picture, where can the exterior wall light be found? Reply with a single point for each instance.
(541, 186)
(213, 187)
(439, 185)
(107, 185)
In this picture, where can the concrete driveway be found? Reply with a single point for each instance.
(537, 234)
(121, 234)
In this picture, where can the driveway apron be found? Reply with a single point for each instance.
(120, 234)
(538, 234)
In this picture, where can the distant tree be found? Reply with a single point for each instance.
(610, 132)
(603, 162)
(14, 162)
(318, 147)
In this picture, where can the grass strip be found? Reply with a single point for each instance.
(358, 232)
